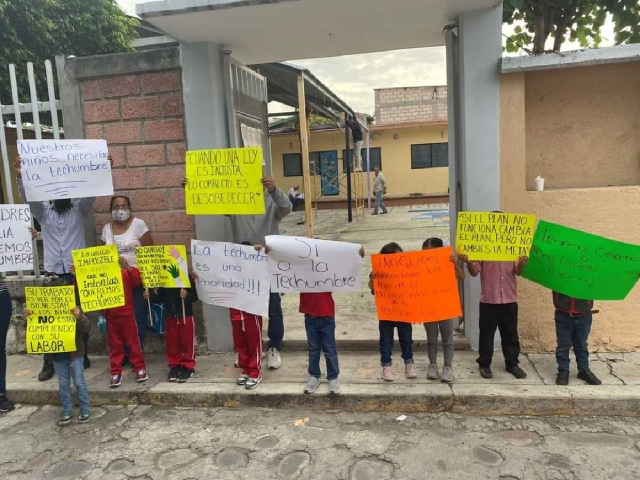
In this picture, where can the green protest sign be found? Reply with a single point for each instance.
(582, 265)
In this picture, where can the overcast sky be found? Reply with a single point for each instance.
(354, 77)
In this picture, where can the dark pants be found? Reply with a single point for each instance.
(405, 331)
(71, 279)
(321, 337)
(141, 312)
(503, 317)
(572, 331)
(5, 318)
(275, 330)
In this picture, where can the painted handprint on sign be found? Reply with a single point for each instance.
(178, 270)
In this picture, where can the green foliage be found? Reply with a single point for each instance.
(38, 30)
(577, 20)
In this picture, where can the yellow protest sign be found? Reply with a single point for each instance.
(163, 266)
(51, 328)
(494, 236)
(225, 182)
(99, 277)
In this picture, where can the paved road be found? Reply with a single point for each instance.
(173, 443)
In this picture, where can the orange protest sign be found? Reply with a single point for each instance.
(416, 287)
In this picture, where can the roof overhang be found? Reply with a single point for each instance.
(265, 31)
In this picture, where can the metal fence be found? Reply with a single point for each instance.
(14, 112)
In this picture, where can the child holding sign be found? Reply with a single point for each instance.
(445, 327)
(386, 327)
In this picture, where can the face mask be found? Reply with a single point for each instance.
(120, 215)
(62, 204)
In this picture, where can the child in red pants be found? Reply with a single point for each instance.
(181, 329)
(122, 330)
(247, 338)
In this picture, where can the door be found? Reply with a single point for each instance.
(329, 173)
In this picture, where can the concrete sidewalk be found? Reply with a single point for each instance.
(362, 388)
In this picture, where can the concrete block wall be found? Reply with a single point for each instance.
(410, 104)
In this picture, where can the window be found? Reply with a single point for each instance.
(376, 158)
(292, 164)
(430, 155)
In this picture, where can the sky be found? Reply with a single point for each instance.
(354, 77)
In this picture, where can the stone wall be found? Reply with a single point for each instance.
(409, 104)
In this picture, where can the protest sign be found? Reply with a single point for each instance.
(416, 287)
(51, 328)
(231, 275)
(99, 277)
(16, 246)
(225, 182)
(300, 264)
(163, 266)
(54, 169)
(493, 236)
(582, 265)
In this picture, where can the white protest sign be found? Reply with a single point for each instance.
(16, 247)
(300, 264)
(53, 169)
(231, 275)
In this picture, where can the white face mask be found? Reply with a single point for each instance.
(120, 215)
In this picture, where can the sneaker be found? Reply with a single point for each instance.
(312, 385)
(252, 383)
(47, 372)
(173, 374)
(589, 377)
(432, 372)
(65, 418)
(274, 361)
(385, 212)
(447, 374)
(87, 362)
(334, 387)
(184, 375)
(517, 372)
(242, 379)
(562, 378)
(410, 370)
(387, 374)
(6, 405)
(84, 417)
(485, 372)
(142, 376)
(116, 381)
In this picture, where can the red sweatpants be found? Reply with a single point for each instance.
(247, 338)
(121, 331)
(181, 342)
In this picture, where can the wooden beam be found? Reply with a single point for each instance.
(304, 151)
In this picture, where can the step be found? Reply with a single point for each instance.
(372, 345)
(362, 388)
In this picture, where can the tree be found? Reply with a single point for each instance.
(579, 20)
(38, 30)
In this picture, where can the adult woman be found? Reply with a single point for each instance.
(129, 232)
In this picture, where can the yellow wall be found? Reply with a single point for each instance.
(396, 160)
(609, 211)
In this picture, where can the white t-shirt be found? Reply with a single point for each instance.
(293, 193)
(127, 241)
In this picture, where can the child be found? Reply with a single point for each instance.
(498, 309)
(122, 330)
(444, 326)
(573, 325)
(320, 323)
(181, 331)
(247, 339)
(386, 328)
(71, 365)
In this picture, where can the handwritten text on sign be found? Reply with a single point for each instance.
(16, 247)
(231, 275)
(494, 236)
(582, 265)
(51, 328)
(416, 287)
(163, 266)
(300, 264)
(225, 182)
(99, 278)
(65, 169)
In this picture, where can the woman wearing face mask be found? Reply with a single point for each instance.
(129, 232)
